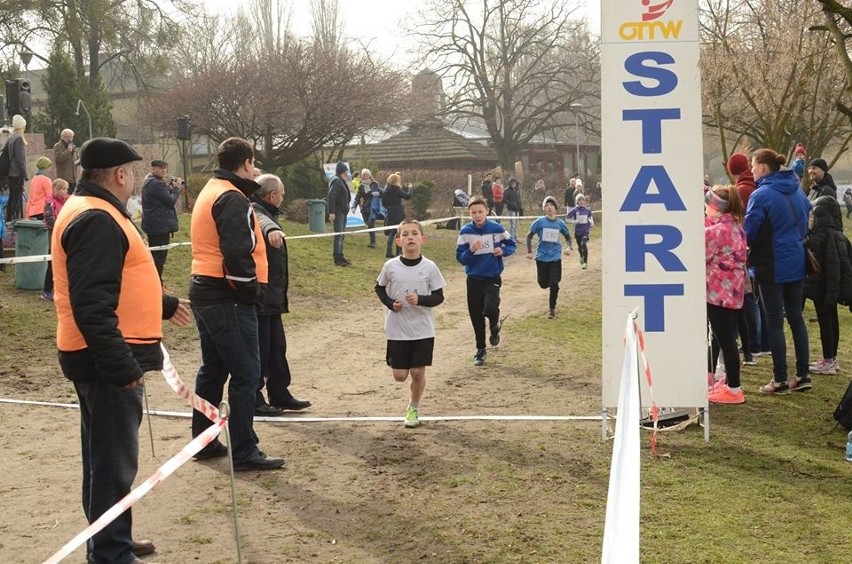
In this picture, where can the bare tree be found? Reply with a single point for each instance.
(767, 81)
(325, 21)
(838, 20)
(511, 66)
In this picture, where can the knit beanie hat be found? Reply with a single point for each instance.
(799, 150)
(18, 122)
(738, 164)
(43, 163)
(341, 168)
(579, 197)
(820, 163)
(549, 200)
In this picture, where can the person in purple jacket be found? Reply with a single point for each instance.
(581, 217)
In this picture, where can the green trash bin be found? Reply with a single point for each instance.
(31, 240)
(316, 216)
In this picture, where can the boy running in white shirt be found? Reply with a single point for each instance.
(410, 285)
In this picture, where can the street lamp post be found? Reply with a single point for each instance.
(575, 107)
(77, 113)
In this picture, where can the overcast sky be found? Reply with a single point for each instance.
(384, 22)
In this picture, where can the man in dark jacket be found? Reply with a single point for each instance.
(488, 191)
(159, 218)
(822, 184)
(64, 157)
(109, 309)
(274, 368)
(512, 201)
(338, 208)
(229, 275)
(367, 190)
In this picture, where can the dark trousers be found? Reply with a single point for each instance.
(370, 223)
(829, 328)
(15, 207)
(48, 274)
(109, 428)
(780, 301)
(229, 346)
(582, 246)
(548, 275)
(392, 249)
(723, 322)
(483, 301)
(274, 368)
(498, 208)
(752, 314)
(744, 332)
(159, 256)
(339, 224)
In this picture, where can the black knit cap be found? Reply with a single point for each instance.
(819, 163)
(104, 152)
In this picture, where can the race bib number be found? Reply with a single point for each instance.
(550, 235)
(582, 219)
(487, 245)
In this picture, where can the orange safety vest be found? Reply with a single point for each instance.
(207, 259)
(140, 305)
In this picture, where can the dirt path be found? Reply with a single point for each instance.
(349, 491)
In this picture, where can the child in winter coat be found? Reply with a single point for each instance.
(833, 284)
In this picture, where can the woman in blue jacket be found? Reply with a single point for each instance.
(776, 224)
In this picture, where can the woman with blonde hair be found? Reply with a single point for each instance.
(725, 261)
(392, 198)
(776, 225)
(17, 168)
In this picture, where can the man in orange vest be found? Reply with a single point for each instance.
(109, 309)
(229, 276)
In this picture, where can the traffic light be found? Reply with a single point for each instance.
(18, 97)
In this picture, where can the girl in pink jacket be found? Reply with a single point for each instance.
(725, 261)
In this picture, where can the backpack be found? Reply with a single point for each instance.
(5, 160)
(843, 411)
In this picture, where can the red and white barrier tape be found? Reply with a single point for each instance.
(654, 411)
(167, 469)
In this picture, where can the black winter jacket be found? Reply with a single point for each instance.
(338, 197)
(392, 199)
(158, 206)
(512, 196)
(825, 187)
(276, 301)
(833, 284)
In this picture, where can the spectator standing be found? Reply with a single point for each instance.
(481, 246)
(15, 145)
(109, 309)
(514, 209)
(229, 276)
(487, 189)
(51, 212)
(833, 284)
(776, 224)
(159, 217)
(41, 188)
(847, 199)
(392, 198)
(368, 189)
(65, 159)
(410, 286)
(497, 192)
(548, 254)
(4, 200)
(338, 208)
(274, 368)
(725, 263)
(822, 183)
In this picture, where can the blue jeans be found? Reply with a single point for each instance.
(109, 430)
(513, 224)
(229, 345)
(780, 301)
(370, 223)
(339, 224)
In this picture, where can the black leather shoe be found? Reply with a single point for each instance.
(216, 450)
(258, 462)
(293, 404)
(143, 547)
(267, 410)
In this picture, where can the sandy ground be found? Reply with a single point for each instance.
(349, 490)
